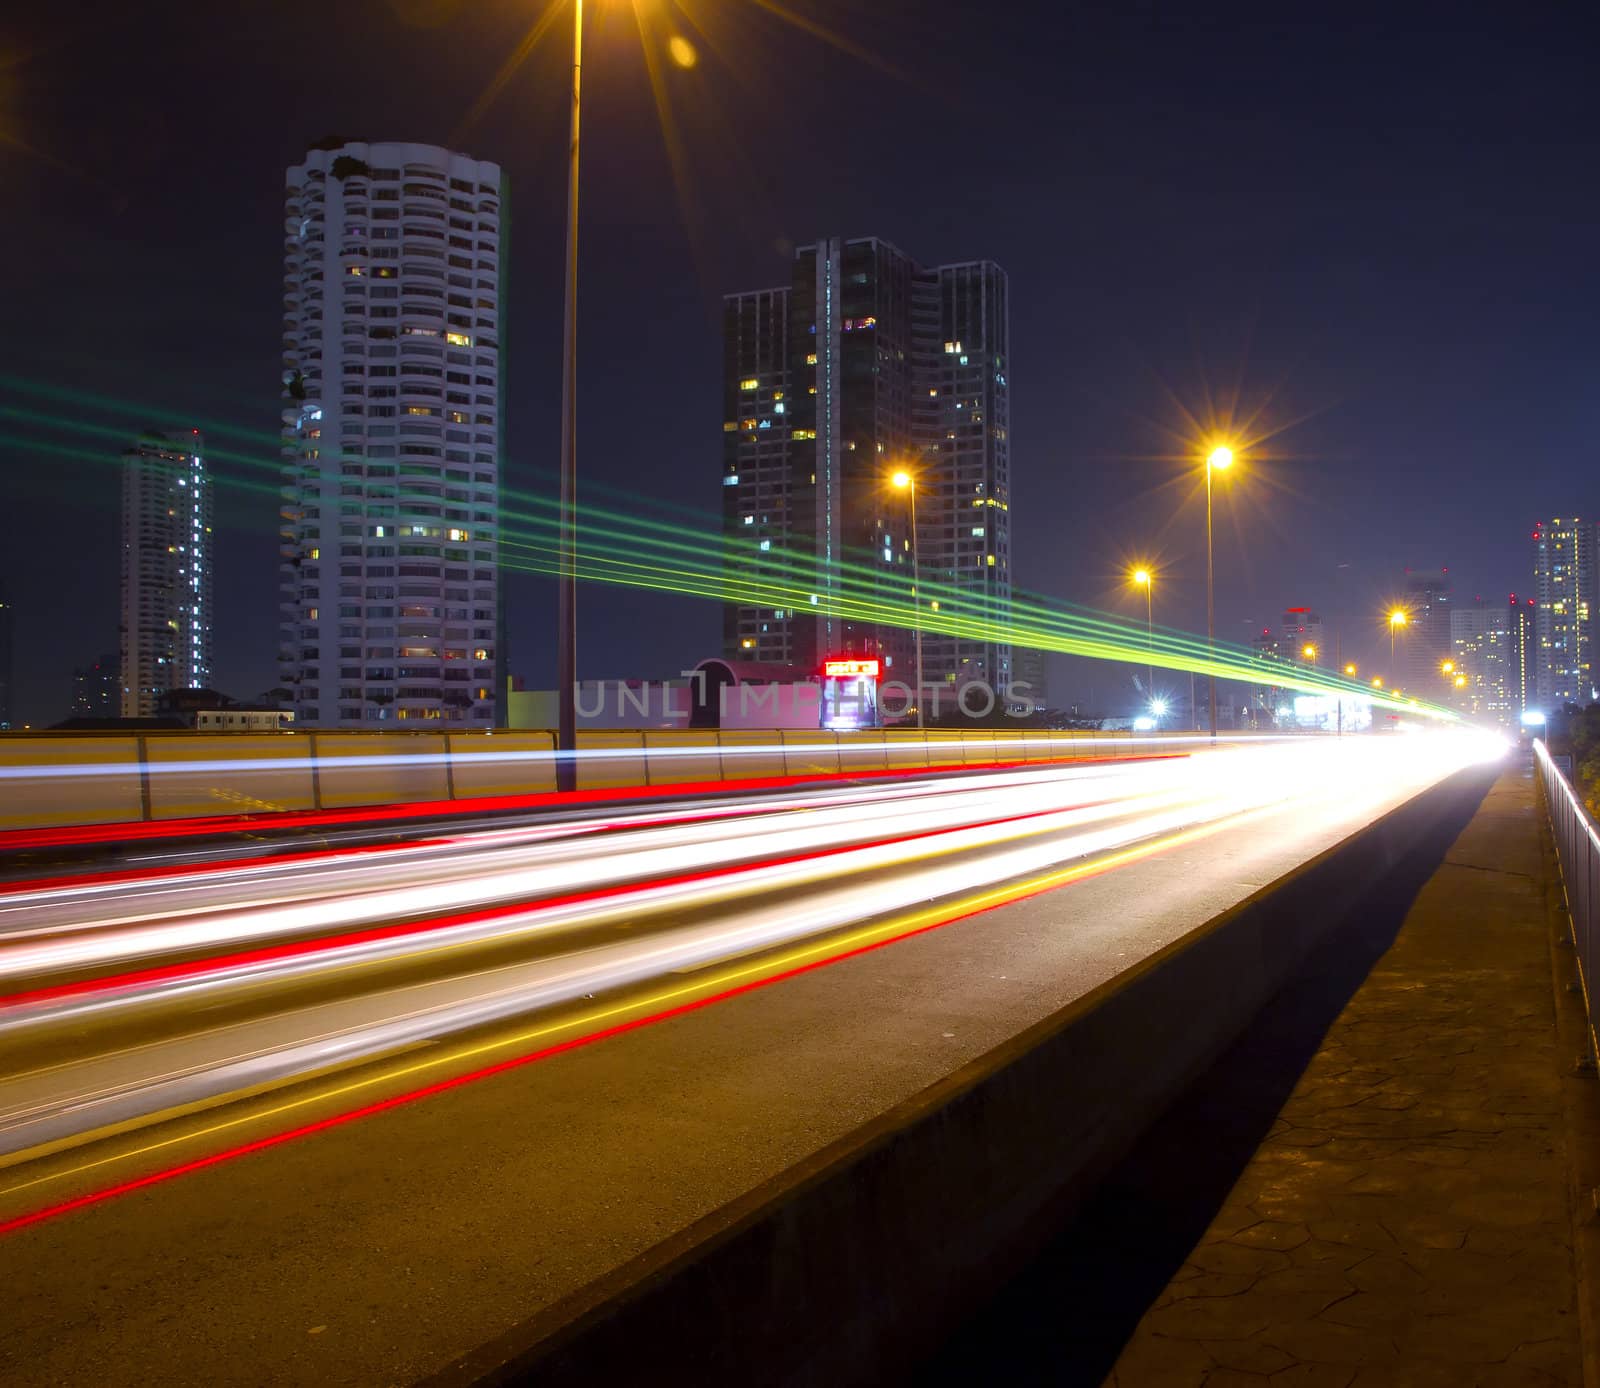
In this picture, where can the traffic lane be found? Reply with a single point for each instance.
(379, 1251)
(32, 920)
(123, 1073)
(85, 849)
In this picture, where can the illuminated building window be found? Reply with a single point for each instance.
(458, 339)
(811, 358)
(749, 383)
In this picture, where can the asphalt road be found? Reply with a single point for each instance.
(376, 1249)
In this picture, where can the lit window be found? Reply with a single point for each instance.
(458, 339)
(778, 408)
(355, 270)
(749, 520)
(766, 544)
(990, 560)
(747, 643)
(749, 383)
(482, 653)
(811, 358)
(731, 480)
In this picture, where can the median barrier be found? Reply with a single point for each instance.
(851, 1265)
(71, 780)
(686, 757)
(749, 754)
(501, 763)
(113, 778)
(390, 768)
(611, 760)
(233, 773)
(806, 753)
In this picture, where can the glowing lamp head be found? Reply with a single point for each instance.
(1221, 457)
(1350, 669)
(1449, 667)
(1461, 681)
(1309, 652)
(901, 480)
(1158, 707)
(1377, 681)
(1397, 618)
(1142, 577)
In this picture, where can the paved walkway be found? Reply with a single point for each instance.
(1408, 1220)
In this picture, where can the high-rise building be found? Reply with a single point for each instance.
(392, 435)
(1522, 653)
(1480, 681)
(1302, 630)
(1563, 582)
(1424, 643)
(166, 569)
(97, 688)
(864, 364)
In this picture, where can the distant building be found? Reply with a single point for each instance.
(866, 363)
(1302, 631)
(1522, 654)
(1480, 652)
(392, 436)
(1030, 675)
(97, 688)
(166, 569)
(1424, 642)
(1563, 582)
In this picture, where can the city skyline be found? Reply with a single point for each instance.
(1099, 398)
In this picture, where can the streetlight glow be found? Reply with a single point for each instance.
(1308, 651)
(1221, 457)
(1350, 669)
(1142, 577)
(901, 480)
(1397, 618)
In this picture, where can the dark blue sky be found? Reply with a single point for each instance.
(1379, 225)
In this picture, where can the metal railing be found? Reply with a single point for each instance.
(1578, 848)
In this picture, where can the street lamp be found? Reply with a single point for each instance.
(1143, 578)
(1448, 668)
(907, 483)
(1308, 652)
(1350, 669)
(1397, 619)
(1220, 458)
(567, 580)
(1377, 681)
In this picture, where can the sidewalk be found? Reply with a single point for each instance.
(1408, 1219)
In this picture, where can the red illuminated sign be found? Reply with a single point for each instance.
(850, 668)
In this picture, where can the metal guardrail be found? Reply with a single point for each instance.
(1578, 849)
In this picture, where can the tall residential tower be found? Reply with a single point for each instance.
(166, 569)
(1563, 584)
(865, 364)
(392, 428)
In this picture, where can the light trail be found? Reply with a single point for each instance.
(140, 1018)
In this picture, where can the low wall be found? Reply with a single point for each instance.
(851, 1265)
(113, 778)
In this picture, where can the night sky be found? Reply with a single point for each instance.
(1376, 229)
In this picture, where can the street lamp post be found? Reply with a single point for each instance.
(567, 581)
(1143, 578)
(1397, 619)
(1220, 458)
(908, 483)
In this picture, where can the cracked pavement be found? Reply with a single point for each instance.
(1407, 1220)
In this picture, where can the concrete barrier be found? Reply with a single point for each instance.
(115, 778)
(611, 760)
(231, 773)
(353, 769)
(849, 1266)
(71, 780)
(501, 763)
